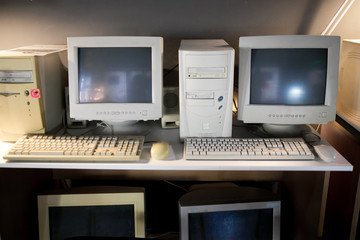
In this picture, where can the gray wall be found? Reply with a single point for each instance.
(24, 22)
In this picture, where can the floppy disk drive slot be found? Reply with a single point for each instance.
(200, 95)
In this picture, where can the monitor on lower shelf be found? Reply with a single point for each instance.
(92, 212)
(229, 212)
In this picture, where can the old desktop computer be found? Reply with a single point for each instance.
(348, 104)
(286, 81)
(206, 77)
(228, 211)
(32, 81)
(90, 212)
(116, 80)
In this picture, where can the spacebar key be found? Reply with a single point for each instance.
(46, 152)
(223, 153)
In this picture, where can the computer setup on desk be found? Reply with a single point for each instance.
(285, 84)
(284, 81)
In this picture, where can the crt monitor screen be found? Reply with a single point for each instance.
(288, 76)
(115, 75)
(240, 224)
(100, 221)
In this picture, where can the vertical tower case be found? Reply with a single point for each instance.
(206, 77)
(348, 100)
(32, 81)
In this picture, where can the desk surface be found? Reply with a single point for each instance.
(176, 162)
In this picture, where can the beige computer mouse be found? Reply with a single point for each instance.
(160, 150)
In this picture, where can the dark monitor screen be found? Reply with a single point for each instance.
(115, 75)
(288, 76)
(99, 221)
(232, 225)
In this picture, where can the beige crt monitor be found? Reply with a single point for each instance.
(100, 211)
(32, 83)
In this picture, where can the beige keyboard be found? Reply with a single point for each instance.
(76, 148)
(246, 149)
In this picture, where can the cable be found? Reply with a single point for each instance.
(170, 70)
(175, 185)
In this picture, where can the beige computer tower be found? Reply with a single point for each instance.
(348, 100)
(206, 77)
(32, 81)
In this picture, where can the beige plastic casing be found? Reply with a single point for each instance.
(20, 112)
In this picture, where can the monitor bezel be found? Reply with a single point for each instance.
(186, 210)
(116, 112)
(137, 199)
(287, 114)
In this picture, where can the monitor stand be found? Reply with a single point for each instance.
(123, 128)
(285, 130)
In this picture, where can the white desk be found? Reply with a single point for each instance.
(176, 162)
(303, 182)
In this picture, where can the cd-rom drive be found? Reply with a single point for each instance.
(206, 75)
